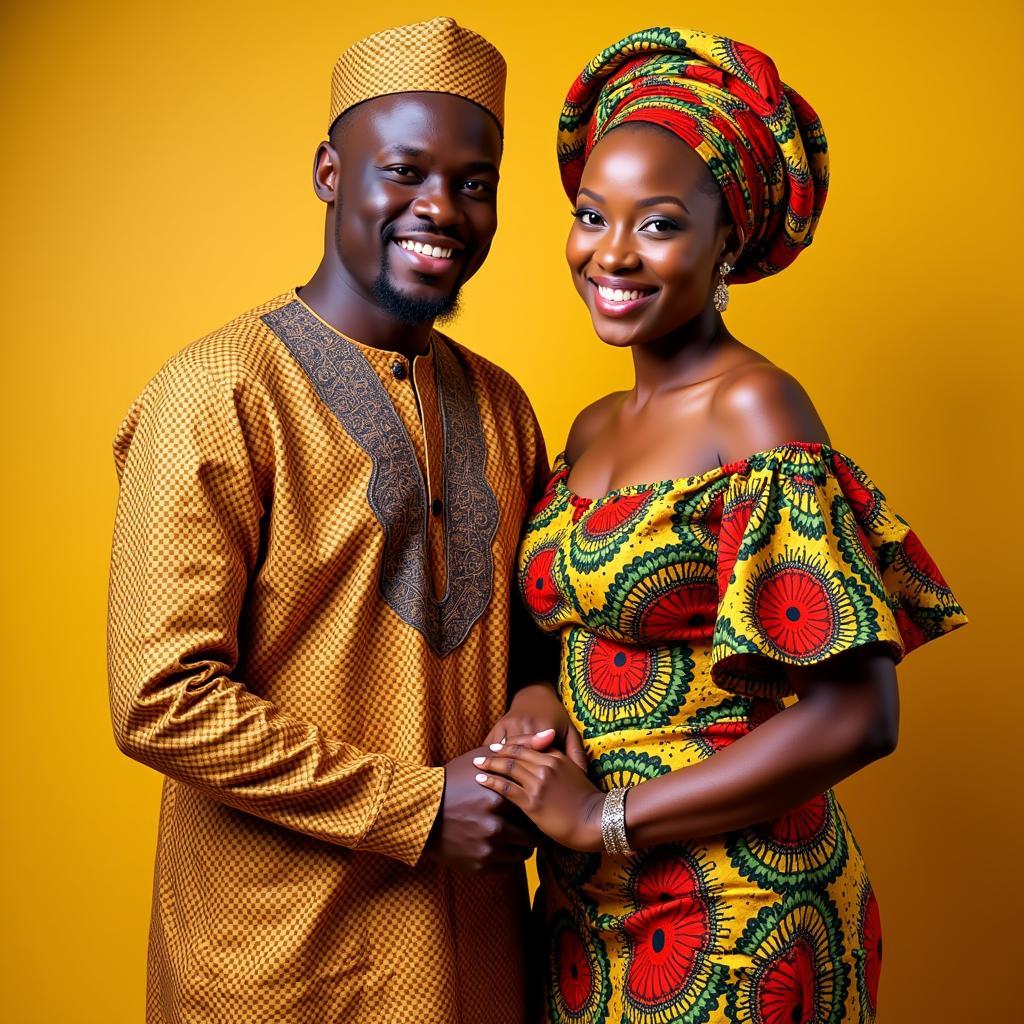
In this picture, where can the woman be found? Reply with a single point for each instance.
(728, 886)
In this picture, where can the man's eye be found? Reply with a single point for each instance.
(479, 187)
(402, 171)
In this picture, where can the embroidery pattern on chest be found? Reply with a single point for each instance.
(396, 493)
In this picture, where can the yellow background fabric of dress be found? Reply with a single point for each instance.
(156, 183)
(678, 602)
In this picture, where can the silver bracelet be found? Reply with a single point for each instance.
(613, 823)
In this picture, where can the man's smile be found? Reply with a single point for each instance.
(429, 254)
(428, 250)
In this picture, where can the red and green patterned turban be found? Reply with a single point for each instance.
(762, 142)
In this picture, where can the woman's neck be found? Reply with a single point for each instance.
(686, 356)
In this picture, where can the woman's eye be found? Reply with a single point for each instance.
(659, 226)
(477, 187)
(589, 217)
(402, 171)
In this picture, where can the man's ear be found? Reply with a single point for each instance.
(326, 170)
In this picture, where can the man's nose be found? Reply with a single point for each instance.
(435, 203)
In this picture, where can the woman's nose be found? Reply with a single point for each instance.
(614, 252)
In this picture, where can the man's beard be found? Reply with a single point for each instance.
(404, 308)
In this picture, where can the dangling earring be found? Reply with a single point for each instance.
(721, 297)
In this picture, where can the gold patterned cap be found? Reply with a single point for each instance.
(431, 56)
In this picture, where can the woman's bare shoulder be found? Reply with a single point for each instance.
(589, 423)
(759, 406)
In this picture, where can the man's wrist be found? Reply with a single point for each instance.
(534, 688)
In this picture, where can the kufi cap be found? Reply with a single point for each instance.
(431, 56)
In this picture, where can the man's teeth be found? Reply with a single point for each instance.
(618, 294)
(428, 250)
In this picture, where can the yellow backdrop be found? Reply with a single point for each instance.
(155, 183)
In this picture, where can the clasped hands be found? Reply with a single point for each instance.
(529, 775)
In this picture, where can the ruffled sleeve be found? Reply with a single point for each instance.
(812, 562)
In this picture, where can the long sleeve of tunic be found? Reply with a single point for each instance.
(187, 543)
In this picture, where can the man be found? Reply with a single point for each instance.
(310, 593)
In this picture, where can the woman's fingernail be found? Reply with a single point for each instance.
(544, 732)
(481, 777)
(479, 761)
(495, 746)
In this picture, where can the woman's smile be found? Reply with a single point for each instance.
(611, 296)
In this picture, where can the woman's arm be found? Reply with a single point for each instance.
(845, 718)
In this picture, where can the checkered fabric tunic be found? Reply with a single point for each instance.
(309, 613)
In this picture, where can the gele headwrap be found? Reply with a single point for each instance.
(431, 56)
(762, 142)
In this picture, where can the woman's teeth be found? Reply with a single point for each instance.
(428, 250)
(619, 295)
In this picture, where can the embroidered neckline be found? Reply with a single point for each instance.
(351, 388)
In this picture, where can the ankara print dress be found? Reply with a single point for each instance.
(679, 604)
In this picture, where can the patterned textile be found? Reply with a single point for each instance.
(431, 56)
(308, 615)
(762, 142)
(678, 603)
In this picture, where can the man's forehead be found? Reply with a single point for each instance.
(426, 124)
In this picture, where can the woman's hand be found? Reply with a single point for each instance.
(549, 788)
(535, 708)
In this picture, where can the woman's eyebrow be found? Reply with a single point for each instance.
(658, 200)
(651, 201)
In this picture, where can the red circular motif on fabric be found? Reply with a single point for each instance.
(910, 632)
(922, 561)
(802, 824)
(664, 879)
(668, 933)
(610, 516)
(575, 975)
(664, 947)
(616, 672)
(864, 501)
(684, 612)
(796, 612)
(721, 734)
(871, 941)
(538, 584)
(785, 992)
(580, 506)
(730, 538)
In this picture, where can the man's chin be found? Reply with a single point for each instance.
(414, 306)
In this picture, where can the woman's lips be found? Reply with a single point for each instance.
(619, 301)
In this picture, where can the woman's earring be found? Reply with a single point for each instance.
(721, 296)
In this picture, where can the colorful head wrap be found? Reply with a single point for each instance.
(431, 56)
(762, 142)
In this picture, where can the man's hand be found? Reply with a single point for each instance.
(476, 829)
(535, 708)
(548, 788)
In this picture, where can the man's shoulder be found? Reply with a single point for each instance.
(241, 351)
